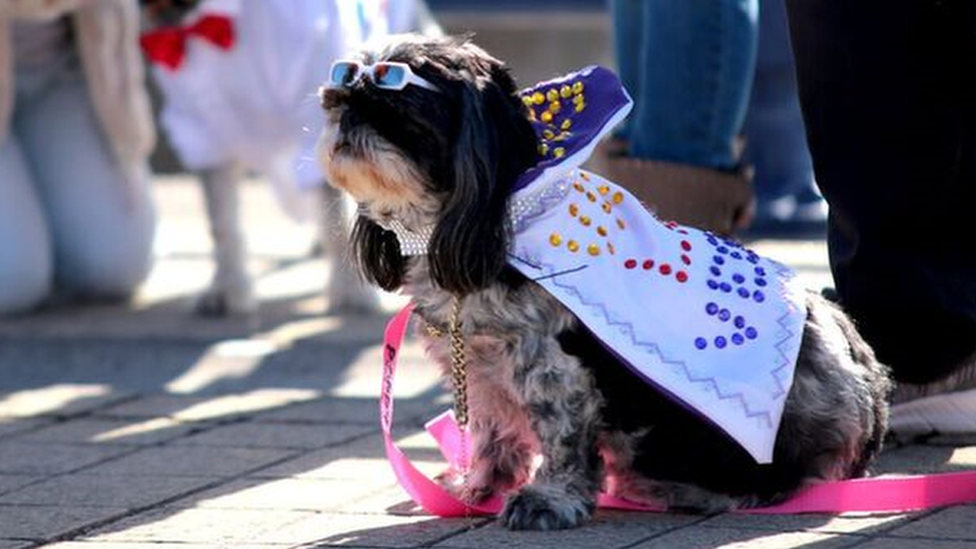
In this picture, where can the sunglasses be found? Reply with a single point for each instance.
(386, 75)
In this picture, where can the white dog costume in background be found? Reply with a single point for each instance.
(251, 95)
(239, 80)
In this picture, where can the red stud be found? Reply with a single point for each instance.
(681, 276)
(665, 269)
(630, 263)
(685, 245)
(648, 264)
(685, 259)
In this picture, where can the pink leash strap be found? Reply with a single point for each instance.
(867, 495)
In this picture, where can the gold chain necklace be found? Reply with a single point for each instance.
(458, 362)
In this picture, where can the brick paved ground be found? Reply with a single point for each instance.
(146, 427)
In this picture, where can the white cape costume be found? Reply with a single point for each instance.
(710, 323)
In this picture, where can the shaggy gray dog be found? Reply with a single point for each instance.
(439, 158)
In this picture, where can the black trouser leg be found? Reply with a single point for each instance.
(890, 112)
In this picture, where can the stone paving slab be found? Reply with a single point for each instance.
(286, 494)
(956, 523)
(731, 538)
(608, 530)
(890, 543)
(44, 522)
(190, 461)
(105, 491)
(33, 458)
(89, 430)
(280, 436)
(8, 483)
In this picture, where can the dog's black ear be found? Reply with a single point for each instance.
(378, 253)
(495, 143)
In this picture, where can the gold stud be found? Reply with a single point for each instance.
(584, 175)
(559, 152)
(579, 187)
(527, 100)
(593, 249)
(566, 124)
(618, 197)
(591, 197)
(604, 189)
(601, 230)
(573, 210)
(607, 207)
(580, 106)
(552, 95)
(538, 98)
(578, 88)
(621, 224)
(555, 239)
(543, 149)
(585, 220)
(565, 91)
(546, 117)
(548, 134)
(579, 99)
(573, 246)
(611, 249)
(554, 107)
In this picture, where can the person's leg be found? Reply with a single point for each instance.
(776, 145)
(696, 70)
(688, 65)
(888, 103)
(101, 223)
(628, 38)
(25, 247)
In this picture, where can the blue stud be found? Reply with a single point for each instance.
(738, 339)
(760, 271)
(725, 287)
(758, 296)
(751, 333)
(715, 270)
(711, 308)
(719, 260)
(722, 250)
(712, 284)
(760, 281)
(720, 342)
(740, 322)
(724, 315)
(701, 343)
(736, 255)
(752, 258)
(743, 293)
(738, 278)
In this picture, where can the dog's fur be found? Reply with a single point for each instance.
(231, 290)
(538, 381)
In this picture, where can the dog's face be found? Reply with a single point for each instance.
(443, 158)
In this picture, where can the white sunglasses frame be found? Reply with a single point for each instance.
(368, 70)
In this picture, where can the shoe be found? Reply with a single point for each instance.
(947, 406)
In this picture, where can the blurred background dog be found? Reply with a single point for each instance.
(238, 80)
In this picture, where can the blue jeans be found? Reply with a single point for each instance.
(69, 220)
(776, 143)
(688, 64)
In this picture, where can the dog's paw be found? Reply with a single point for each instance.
(545, 508)
(463, 489)
(220, 301)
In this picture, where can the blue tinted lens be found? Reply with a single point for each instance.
(389, 76)
(343, 74)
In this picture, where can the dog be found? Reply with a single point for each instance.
(432, 155)
(238, 81)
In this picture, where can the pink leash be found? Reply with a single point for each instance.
(867, 495)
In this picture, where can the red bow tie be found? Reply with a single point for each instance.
(167, 46)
